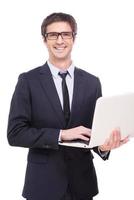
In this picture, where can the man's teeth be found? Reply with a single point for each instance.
(60, 48)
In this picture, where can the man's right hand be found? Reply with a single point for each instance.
(79, 132)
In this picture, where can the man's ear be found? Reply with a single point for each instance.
(74, 39)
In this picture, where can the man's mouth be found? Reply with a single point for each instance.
(59, 49)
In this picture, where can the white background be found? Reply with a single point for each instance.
(104, 47)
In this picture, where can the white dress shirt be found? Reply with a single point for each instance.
(58, 80)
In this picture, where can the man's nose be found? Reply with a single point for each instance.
(59, 39)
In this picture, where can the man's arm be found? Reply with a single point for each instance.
(83, 133)
(20, 128)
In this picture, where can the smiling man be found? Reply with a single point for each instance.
(59, 44)
(55, 103)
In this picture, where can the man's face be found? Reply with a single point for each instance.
(59, 49)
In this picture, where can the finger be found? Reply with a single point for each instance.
(86, 134)
(124, 141)
(82, 137)
(116, 139)
(111, 140)
(126, 138)
(85, 130)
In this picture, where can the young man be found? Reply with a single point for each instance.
(54, 103)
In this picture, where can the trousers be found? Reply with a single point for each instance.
(69, 196)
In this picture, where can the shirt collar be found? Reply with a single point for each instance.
(54, 70)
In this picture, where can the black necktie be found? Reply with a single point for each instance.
(66, 105)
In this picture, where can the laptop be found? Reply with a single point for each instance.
(110, 113)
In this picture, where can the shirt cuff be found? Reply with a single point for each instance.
(59, 139)
(103, 153)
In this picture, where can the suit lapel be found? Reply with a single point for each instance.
(51, 92)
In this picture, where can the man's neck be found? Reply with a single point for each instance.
(62, 65)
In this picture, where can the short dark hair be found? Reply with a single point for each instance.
(58, 17)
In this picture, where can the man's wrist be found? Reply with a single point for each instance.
(102, 151)
(59, 139)
(61, 136)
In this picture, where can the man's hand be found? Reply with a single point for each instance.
(79, 132)
(114, 141)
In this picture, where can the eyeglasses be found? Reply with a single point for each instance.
(55, 35)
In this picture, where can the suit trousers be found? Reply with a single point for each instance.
(69, 197)
(73, 198)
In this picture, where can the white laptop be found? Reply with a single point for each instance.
(110, 113)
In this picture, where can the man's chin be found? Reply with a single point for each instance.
(60, 57)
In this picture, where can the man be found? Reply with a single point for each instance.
(55, 103)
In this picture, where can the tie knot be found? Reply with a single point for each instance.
(63, 74)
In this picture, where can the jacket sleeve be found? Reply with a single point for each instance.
(20, 131)
(103, 155)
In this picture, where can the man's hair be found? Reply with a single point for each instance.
(58, 17)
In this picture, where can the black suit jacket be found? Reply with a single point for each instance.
(35, 120)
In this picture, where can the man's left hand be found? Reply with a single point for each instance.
(114, 141)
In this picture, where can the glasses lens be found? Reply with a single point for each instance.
(52, 36)
(66, 35)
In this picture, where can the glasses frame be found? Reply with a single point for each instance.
(61, 34)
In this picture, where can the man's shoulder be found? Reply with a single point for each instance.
(33, 73)
(86, 74)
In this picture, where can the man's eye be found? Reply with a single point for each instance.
(66, 34)
(53, 34)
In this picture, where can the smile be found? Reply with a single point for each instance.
(59, 49)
